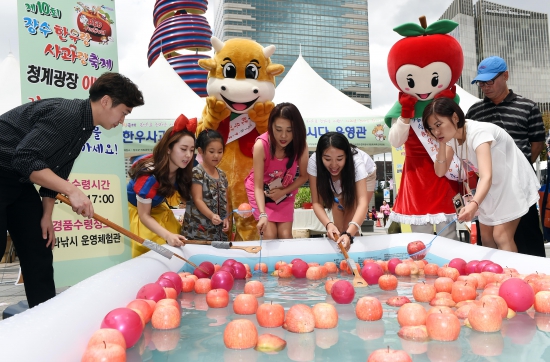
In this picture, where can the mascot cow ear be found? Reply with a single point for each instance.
(208, 64)
(275, 69)
(269, 50)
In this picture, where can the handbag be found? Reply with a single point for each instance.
(544, 207)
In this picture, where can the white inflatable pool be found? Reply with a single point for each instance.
(59, 329)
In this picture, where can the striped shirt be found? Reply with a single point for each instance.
(519, 116)
(49, 133)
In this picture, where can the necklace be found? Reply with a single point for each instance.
(462, 159)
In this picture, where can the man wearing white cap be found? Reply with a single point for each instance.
(522, 119)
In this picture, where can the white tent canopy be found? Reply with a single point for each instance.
(314, 96)
(10, 92)
(166, 95)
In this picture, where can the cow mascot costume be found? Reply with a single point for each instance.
(423, 66)
(241, 86)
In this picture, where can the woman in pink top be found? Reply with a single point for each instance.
(385, 210)
(270, 185)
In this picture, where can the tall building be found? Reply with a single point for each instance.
(332, 35)
(518, 36)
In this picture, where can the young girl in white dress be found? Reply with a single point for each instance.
(507, 185)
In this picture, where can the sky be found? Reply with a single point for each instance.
(135, 26)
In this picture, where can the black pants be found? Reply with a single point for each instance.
(20, 214)
(528, 236)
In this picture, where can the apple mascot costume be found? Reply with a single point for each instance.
(423, 66)
(241, 87)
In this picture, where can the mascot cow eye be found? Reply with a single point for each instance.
(229, 70)
(435, 80)
(410, 82)
(251, 71)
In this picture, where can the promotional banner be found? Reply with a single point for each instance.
(64, 47)
(398, 160)
(140, 136)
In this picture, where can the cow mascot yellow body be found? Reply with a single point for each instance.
(241, 86)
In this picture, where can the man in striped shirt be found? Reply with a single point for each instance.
(39, 142)
(521, 118)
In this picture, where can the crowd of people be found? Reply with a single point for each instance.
(495, 143)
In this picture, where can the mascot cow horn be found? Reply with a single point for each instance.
(241, 87)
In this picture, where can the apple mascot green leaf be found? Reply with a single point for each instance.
(424, 64)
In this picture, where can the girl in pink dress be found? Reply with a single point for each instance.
(270, 185)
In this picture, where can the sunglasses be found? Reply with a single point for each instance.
(489, 82)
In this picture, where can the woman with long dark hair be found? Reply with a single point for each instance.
(157, 178)
(337, 178)
(271, 183)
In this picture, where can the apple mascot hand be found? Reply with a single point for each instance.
(447, 93)
(260, 114)
(217, 110)
(407, 102)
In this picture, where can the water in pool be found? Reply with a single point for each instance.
(200, 337)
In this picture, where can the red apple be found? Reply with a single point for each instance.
(431, 269)
(299, 319)
(462, 311)
(279, 264)
(254, 287)
(229, 269)
(414, 247)
(397, 301)
(222, 280)
(203, 285)
(207, 270)
(270, 315)
(217, 298)
(472, 281)
(245, 304)
(175, 278)
(414, 333)
(262, 267)
(240, 270)
(187, 284)
(485, 318)
(403, 270)
(371, 272)
(542, 301)
(423, 292)
(285, 271)
(392, 263)
(461, 291)
(229, 262)
(342, 292)
(443, 326)
(269, 343)
(389, 355)
(166, 317)
(170, 293)
(295, 260)
(331, 267)
(127, 321)
(442, 302)
(481, 265)
(240, 334)
(519, 295)
(369, 309)
(107, 335)
(328, 285)
(387, 282)
(314, 273)
(104, 352)
(471, 266)
(492, 267)
(448, 272)
(459, 264)
(498, 302)
(151, 291)
(411, 314)
(443, 284)
(325, 316)
(299, 269)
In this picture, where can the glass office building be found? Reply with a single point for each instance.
(331, 35)
(518, 36)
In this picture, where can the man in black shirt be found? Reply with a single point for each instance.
(39, 142)
(521, 118)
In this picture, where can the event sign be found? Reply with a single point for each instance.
(140, 136)
(64, 47)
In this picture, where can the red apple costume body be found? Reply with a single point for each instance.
(423, 66)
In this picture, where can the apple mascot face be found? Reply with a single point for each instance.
(427, 61)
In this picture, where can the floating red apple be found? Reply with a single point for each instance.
(151, 291)
(127, 321)
(222, 279)
(519, 295)
(342, 292)
(371, 272)
(414, 247)
(459, 264)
